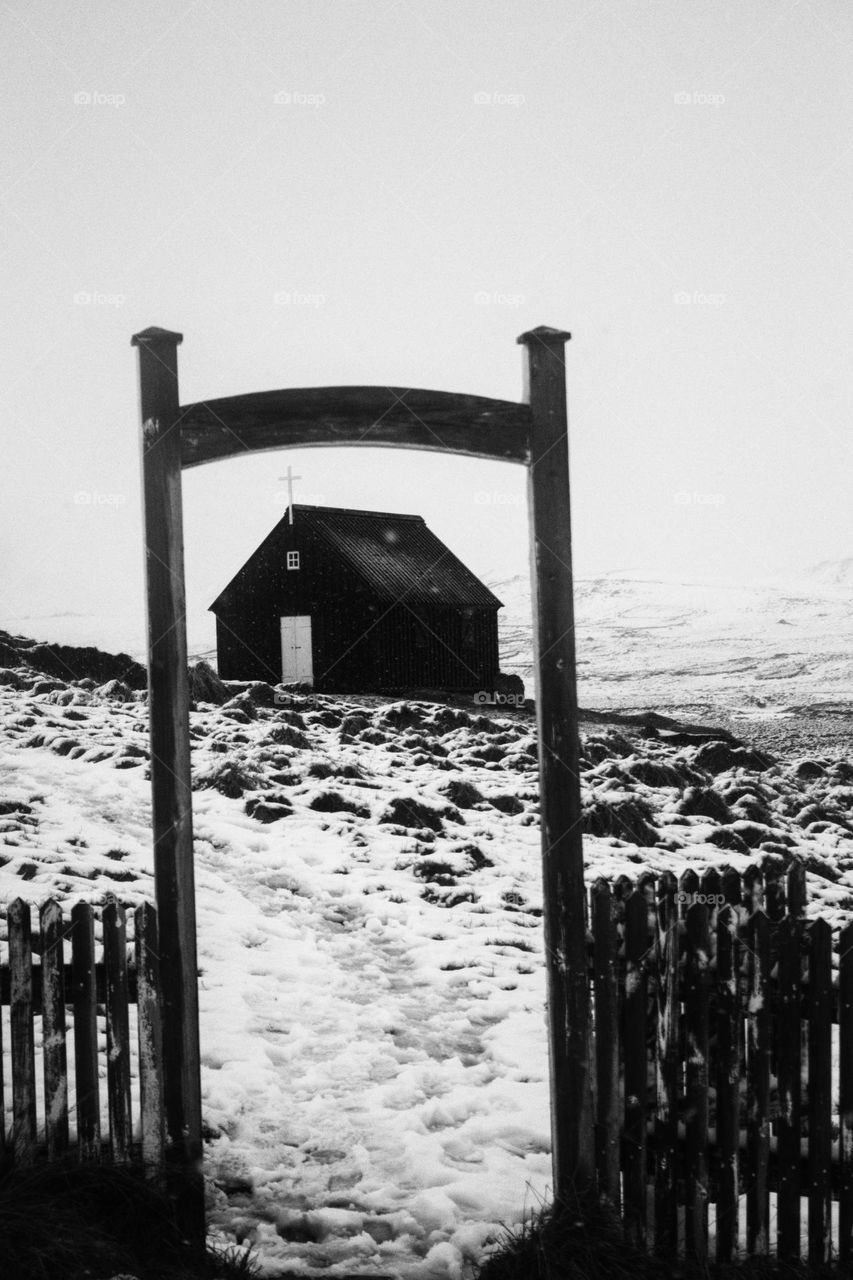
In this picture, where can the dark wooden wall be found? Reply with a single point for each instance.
(435, 646)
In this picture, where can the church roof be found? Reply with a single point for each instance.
(396, 555)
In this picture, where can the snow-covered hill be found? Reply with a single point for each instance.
(374, 1062)
(837, 573)
(643, 640)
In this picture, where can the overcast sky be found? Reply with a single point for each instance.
(329, 193)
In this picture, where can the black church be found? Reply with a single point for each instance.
(357, 601)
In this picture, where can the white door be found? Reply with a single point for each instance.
(296, 659)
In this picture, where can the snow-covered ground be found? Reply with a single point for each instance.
(374, 1062)
(643, 639)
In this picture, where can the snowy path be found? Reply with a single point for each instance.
(391, 1088)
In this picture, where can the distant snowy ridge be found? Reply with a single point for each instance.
(838, 573)
(654, 640)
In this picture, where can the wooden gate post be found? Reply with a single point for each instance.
(171, 794)
(564, 894)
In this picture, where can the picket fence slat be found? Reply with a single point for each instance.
(118, 1031)
(696, 1023)
(606, 1004)
(728, 1082)
(710, 888)
(3, 1147)
(636, 1070)
(85, 1031)
(21, 1029)
(752, 895)
(789, 1076)
(53, 1029)
(795, 889)
(730, 886)
(845, 1094)
(820, 1091)
(688, 887)
(623, 886)
(758, 1085)
(666, 1066)
(646, 882)
(774, 893)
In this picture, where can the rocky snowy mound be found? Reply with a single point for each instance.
(374, 1061)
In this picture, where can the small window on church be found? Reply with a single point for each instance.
(293, 559)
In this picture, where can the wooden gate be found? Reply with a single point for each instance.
(72, 997)
(724, 1065)
(534, 434)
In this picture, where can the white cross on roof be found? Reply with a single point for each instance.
(290, 477)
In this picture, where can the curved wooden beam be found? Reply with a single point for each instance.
(402, 417)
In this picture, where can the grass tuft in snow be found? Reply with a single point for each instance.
(205, 685)
(229, 777)
(73, 1221)
(582, 1239)
(623, 817)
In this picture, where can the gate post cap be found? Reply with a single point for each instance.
(155, 336)
(544, 333)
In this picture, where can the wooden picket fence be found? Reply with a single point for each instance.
(723, 1054)
(723, 1039)
(68, 1034)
